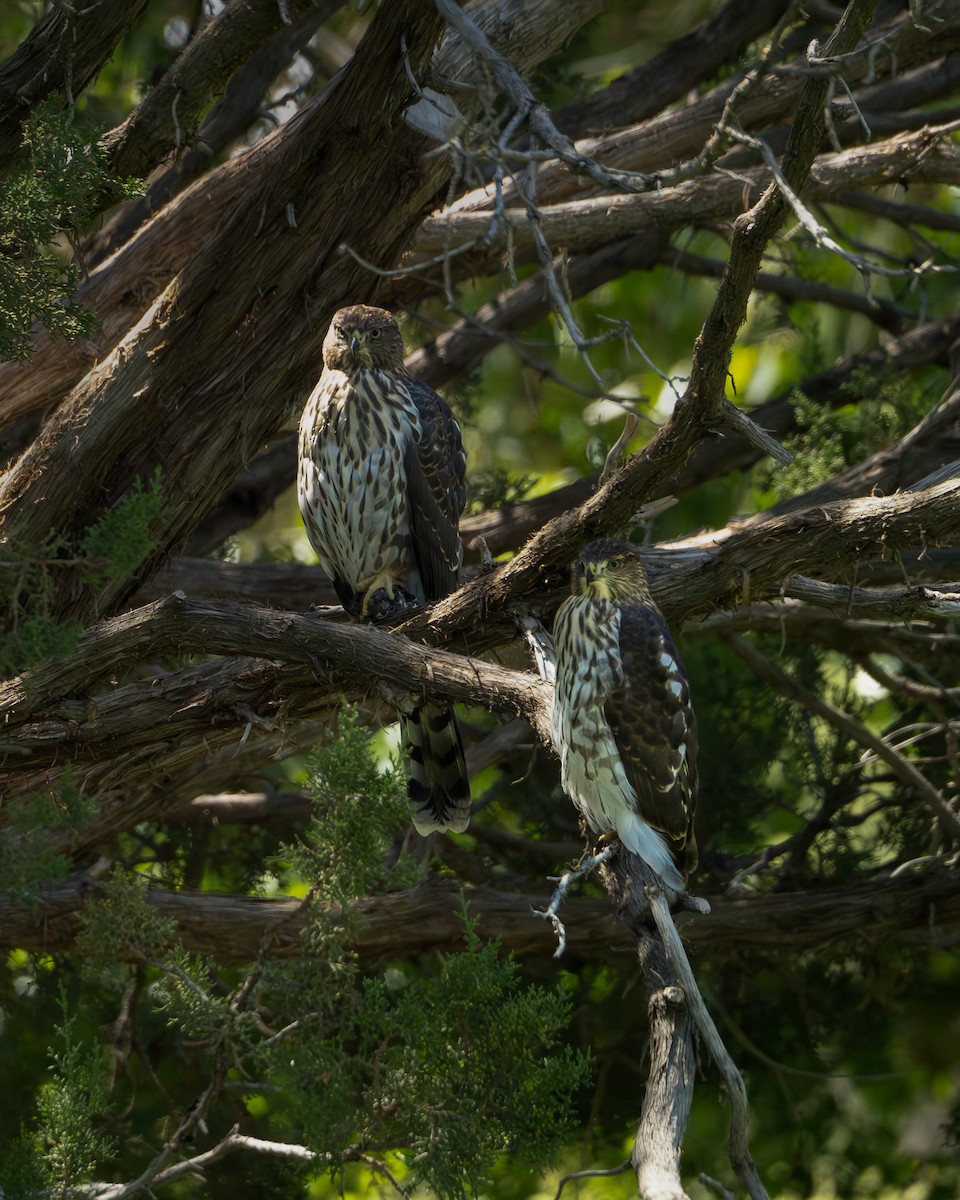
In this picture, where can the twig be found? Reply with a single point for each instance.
(528, 190)
(884, 313)
(865, 266)
(754, 229)
(902, 767)
(756, 436)
(630, 338)
(646, 513)
(535, 114)
(616, 452)
(717, 1187)
(741, 91)
(596, 1173)
(585, 866)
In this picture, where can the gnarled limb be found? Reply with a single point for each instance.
(919, 908)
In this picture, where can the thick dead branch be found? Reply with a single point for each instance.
(837, 538)
(671, 1042)
(908, 603)
(668, 1094)
(127, 745)
(642, 907)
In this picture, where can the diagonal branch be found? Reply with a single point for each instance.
(753, 230)
(902, 768)
(167, 116)
(192, 369)
(64, 51)
(721, 568)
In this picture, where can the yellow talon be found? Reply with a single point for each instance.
(369, 587)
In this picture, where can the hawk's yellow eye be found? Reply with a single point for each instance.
(374, 333)
(615, 564)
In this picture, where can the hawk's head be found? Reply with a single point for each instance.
(361, 337)
(611, 570)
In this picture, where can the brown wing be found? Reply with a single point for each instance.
(436, 466)
(655, 729)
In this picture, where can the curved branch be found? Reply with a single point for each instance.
(342, 656)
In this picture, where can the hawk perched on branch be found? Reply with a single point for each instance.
(622, 719)
(381, 489)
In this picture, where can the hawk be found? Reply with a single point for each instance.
(380, 484)
(622, 720)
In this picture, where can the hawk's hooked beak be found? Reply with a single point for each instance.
(593, 580)
(354, 345)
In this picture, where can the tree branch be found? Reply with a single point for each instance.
(902, 768)
(64, 51)
(163, 375)
(917, 909)
(670, 75)
(165, 120)
(344, 656)
(583, 225)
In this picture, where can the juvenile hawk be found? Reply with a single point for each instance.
(622, 720)
(381, 489)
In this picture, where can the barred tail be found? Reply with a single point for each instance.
(438, 785)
